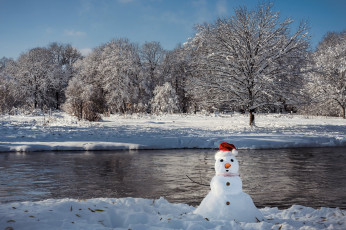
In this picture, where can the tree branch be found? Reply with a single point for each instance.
(197, 182)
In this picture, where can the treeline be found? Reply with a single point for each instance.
(250, 62)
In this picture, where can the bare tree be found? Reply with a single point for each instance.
(251, 58)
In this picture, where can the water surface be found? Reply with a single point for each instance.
(312, 177)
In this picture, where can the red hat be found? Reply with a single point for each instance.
(226, 149)
(224, 146)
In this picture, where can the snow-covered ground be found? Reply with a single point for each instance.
(63, 132)
(137, 213)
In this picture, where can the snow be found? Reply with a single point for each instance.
(138, 213)
(63, 132)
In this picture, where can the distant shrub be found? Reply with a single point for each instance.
(165, 99)
(81, 101)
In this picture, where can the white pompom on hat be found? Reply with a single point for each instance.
(226, 149)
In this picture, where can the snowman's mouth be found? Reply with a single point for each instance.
(226, 170)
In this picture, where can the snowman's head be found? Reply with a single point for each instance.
(225, 161)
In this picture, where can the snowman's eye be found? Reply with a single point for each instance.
(221, 160)
(232, 160)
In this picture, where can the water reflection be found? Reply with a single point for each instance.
(308, 176)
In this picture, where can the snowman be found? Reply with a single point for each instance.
(226, 200)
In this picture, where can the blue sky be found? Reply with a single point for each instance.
(86, 24)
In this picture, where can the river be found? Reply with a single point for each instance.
(311, 177)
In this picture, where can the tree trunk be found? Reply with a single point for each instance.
(343, 112)
(80, 117)
(252, 118)
(35, 100)
(57, 100)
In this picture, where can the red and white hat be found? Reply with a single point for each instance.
(226, 149)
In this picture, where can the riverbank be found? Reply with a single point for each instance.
(63, 132)
(138, 213)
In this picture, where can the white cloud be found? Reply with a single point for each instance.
(85, 51)
(74, 33)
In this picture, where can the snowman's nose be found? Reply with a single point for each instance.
(227, 165)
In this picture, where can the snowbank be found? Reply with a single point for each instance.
(63, 132)
(137, 213)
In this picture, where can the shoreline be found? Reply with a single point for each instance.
(61, 132)
(101, 146)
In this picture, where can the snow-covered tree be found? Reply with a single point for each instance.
(119, 69)
(41, 75)
(74, 100)
(175, 70)
(328, 82)
(10, 95)
(38, 77)
(82, 100)
(86, 77)
(251, 58)
(112, 70)
(165, 99)
(64, 55)
(88, 68)
(151, 55)
(3, 62)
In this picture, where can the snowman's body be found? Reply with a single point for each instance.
(226, 200)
